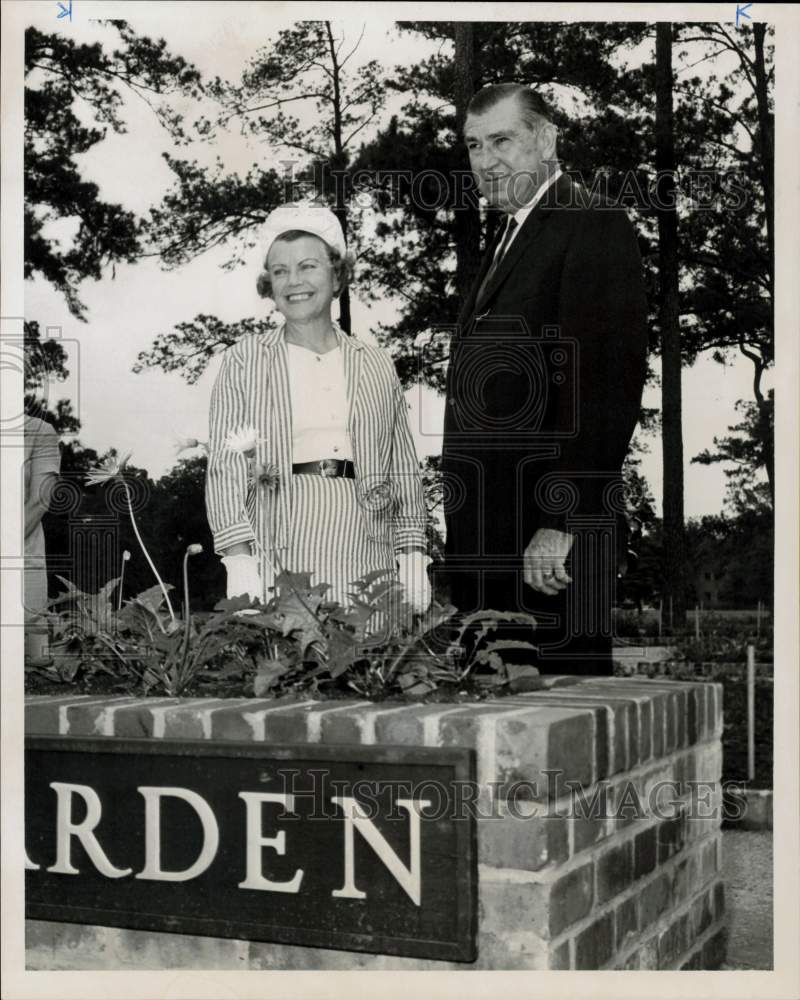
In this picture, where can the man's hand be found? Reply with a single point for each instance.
(544, 561)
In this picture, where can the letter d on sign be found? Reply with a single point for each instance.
(152, 834)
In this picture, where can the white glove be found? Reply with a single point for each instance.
(243, 577)
(413, 576)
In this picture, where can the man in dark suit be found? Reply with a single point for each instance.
(543, 392)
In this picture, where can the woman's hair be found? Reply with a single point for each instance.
(343, 266)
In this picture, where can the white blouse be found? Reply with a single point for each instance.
(319, 405)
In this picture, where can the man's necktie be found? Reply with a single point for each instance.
(511, 225)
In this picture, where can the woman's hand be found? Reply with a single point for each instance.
(243, 575)
(413, 576)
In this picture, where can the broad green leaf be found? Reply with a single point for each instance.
(267, 674)
(71, 590)
(153, 597)
(489, 680)
(212, 647)
(515, 671)
(423, 687)
(286, 582)
(487, 659)
(497, 644)
(69, 667)
(527, 682)
(364, 582)
(408, 679)
(230, 604)
(105, 592)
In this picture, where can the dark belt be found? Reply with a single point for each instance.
(330, 468)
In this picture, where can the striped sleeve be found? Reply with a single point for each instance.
(409, 517)
(227, 475)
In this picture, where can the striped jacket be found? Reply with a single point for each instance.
(252, 390)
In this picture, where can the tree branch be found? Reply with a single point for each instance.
(272, 104)
(760, 365)
(355, 47)
(682, 88)
(355, 131)
(697, 62)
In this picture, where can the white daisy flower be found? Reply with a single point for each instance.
(242, 439)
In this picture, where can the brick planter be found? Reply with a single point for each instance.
(635, 886)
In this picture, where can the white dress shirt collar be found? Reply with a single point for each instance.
(522, 213)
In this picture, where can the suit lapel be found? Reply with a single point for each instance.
(469, 303)
(530, 231)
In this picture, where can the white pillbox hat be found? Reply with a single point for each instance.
(318, 220)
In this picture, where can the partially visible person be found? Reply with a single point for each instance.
(42, 465)
(312, 466)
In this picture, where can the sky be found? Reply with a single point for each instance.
(145, 413)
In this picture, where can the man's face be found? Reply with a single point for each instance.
(505, 154)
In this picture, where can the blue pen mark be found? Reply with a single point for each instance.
(66, 10)
(741, 11)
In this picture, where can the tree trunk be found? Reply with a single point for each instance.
(345, 321)
(467, 222)
(766, 431)
(669, 321)
(339, 168)
(766, 145)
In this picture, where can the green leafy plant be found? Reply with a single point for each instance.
(296, 642)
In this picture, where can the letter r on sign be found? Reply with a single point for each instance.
(66, 830)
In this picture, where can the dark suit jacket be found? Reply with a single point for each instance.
(545, 378)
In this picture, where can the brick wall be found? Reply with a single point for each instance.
(637, 885)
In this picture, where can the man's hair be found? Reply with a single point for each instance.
(533, 108)
(343, 267)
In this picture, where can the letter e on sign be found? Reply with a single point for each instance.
(256, 841)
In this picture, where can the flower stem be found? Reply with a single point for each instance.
(186, 615)
(146, 553)
(121, 585)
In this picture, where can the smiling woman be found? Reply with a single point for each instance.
(312, 258)
(327, 413)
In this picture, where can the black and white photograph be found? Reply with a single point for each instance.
(399, 498)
